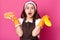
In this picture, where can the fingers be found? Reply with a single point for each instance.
(47, 21)
(11, 16)
(8, 15)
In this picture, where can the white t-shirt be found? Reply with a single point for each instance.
(36, 21)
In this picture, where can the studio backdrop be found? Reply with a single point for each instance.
(49, 7)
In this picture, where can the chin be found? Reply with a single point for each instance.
(30, 16)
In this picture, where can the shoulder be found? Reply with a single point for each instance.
(37, 21)
(21, 20)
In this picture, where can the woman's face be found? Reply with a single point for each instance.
(29, 10)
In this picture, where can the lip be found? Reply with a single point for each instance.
(29, 13)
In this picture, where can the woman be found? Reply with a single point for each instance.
(29, 25)
(28, 29)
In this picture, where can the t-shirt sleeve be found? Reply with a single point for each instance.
(37, 21)
(20, 20)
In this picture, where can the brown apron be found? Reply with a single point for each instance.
(27, 28)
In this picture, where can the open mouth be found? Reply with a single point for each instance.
(29, 13)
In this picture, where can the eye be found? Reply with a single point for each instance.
(32, 7)
(27, 8)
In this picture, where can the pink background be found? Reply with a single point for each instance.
(50, 7)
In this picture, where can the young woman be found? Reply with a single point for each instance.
(29, 25)
(28, 29)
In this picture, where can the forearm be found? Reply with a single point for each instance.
(11, 16)
(18, 26)
(19, 31)
(36, 31)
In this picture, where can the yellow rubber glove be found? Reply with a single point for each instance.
(15, 20)
(11, 16)
(41, 23)
(8, 15)
(45, 20)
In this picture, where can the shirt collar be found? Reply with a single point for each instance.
(29, 21)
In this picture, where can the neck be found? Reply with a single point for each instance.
(29, 18)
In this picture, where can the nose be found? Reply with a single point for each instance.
(30, 10)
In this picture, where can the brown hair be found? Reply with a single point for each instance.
(35, 16)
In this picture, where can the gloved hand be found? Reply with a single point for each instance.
(45, 20)
(11, 16)
(41, 23)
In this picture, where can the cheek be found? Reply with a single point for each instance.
(26, 11)
(33, 11)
